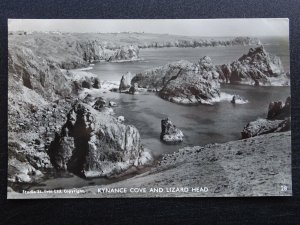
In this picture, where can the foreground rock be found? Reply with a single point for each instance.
(39, 97)
(31, 130)
(280, 110)
(99, 103)
(183, 82)
(133, 89)
(170, 134)
(258, 67)
(20, 170)
(42, 88)
(112, 104)
(265, 126)
(236, 99)
(93, 144)
(278, 120)
(257, 166)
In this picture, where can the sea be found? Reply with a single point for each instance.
(201, 124)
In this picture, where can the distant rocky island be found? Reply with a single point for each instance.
(257, 67)
(190, 83)
(52, 127)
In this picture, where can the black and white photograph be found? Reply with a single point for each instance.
(121, 108)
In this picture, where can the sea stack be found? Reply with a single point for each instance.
(93, 144)
(278, 120)
(133, 89)
(125, 82)
(257, 67)
(183, 82)
(170, 134)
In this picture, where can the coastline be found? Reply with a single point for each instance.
(77, 83)
(225, 169)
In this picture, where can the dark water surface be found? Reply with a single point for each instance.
(201, 124)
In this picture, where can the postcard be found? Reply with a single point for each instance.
(108, 108)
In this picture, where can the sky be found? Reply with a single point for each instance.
(189, 27)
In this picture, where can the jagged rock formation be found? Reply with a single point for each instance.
(183, 82)
(121, 118)
(99, 104)
(170, 134)
(85, 82)
(41, 90)
(70, 51)
(112, 104)
(265, 126)
(278, 120)
(96, 83)
(41, 93)
(280, 111)
(30, 132)
(88, 99)
(41, 76)
(233, 101)
(133, 89)
(236, 99)
(258, 67)
(247, 167)
(125, 53)
(21, 172)
(39, 97)
(161, 41)
(96, 144)
(125, 82)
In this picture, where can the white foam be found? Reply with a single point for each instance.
(225, 97)
(85, 68)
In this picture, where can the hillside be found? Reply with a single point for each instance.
(258, 166)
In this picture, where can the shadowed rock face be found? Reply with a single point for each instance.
(38, 76)
(26, 69)
(170, 134)
(99, 104)
(198, 84)
(125, 82)
(258, 67)
(133, 89)
(96, 144)
(278, 120)
(280, 111)
(182, 81)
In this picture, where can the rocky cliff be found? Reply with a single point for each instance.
(184, 42)
(147, 40)
(92, 144)
(257, 166)
(278, 120)
(42, 91)
(125, 82)
(170, 134)
(279, 110)
(182, 81)
(70, 51)
(257, 67)
(125, 53)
